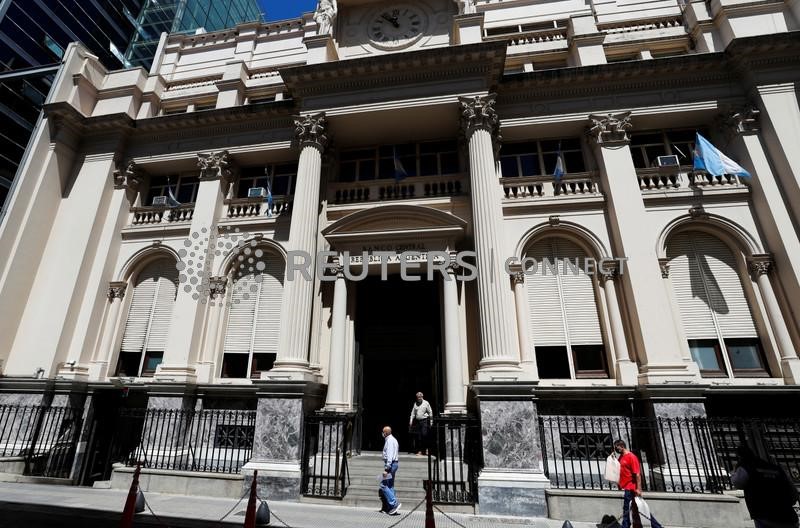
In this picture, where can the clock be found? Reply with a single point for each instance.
(395, 26)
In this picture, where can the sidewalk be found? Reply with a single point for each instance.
(34, 505)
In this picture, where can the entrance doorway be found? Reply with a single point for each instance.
(398, 336)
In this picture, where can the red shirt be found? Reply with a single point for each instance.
(628, 467)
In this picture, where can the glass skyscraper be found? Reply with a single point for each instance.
(179, 16)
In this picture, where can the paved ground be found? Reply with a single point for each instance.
(34, 505)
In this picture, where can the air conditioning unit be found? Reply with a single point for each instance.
(256, 192)
(668, 161)
(159, 200)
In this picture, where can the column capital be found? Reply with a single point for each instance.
(609, 271)
(312, 131)
(215, 165)
(760, 264)
(663, 263)
(517, 273)
(217, 286)
(742, 120)
(610, 128)
(116, 290)
(478, 113)
(128, 175)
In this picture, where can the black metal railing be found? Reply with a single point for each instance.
(455, 459)
(327, 441)
(677, 454)
(44, 437)
(207, 441)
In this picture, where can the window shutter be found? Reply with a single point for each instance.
(268, 314)
(239, 330)
(690, 291)
(580, 305)
(724, 285)
(144, 292)
(161, 318)
(544, 299)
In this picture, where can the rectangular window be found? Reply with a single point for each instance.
(279, 178)
(536, 158)
(708, 356)
(646, 147)
(434, 158)
(590, 361)
(151, 361)
(128, 364)
(746, 357)
(184, 187)
(234, 365)
(552, 362)
(262, 362)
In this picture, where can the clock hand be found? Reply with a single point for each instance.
(393, 20)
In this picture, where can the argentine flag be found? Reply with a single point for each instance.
(171, 200)
(558, 172)
(399, 171)
(269, 199)
(708, 158)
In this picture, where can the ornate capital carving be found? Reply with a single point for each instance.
(478, 113)
(217, 286)
(215, 165)
(609, 271)
(325, 15)
(128, 176)
(761, 265)
(116, 290)
(698, 213)
(312, 130)
(554, 220)
(518, 277)
(742, 121)
(610, 128)
(663, 263)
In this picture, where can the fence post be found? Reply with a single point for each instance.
(130, 502)
(430, 522)
(250, 515)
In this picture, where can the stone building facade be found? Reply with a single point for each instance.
(145, 248)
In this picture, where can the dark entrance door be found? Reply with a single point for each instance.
(398, 333)
(106, 430)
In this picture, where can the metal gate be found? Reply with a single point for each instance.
(327, 440)
(455, 458)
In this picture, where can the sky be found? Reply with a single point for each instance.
(283, 9)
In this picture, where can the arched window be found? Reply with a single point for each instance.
(253, 326)
(714, 309)
(564, 323)
(149, 316)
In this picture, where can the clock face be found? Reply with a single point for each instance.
(396, 27)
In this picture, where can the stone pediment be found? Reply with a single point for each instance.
(395, 221)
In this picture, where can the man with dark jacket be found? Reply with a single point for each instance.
(768, 492)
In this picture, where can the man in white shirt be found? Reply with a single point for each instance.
(391, 450)
(419, 422)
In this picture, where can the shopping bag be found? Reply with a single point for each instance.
(612, 469)
(646, 518)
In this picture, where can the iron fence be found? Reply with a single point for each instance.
(44, 437)
(677, 454)
(206, 441)
(327, 439)
(455, 459)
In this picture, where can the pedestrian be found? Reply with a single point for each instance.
(391, 450)
(630, 482)
(768, 492)
(419, 422)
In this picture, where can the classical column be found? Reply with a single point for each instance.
(453, 359)
(741, 129)
(298, 293)
(526, 346)
(481, 126)
(625, 369)
(335, 400)
(761, 266)
(101, 362)
(207, 365)
(216, 172)
(658, 347)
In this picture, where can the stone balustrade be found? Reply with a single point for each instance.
(666, 179)
(255, 207)
(150, 215)
(386, 190)
(628, 26)
(533, 187)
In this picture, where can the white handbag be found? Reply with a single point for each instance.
(612, 469)
(644, 513)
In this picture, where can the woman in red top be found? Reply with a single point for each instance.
(630, 481)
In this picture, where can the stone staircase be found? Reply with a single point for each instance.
(362, 490)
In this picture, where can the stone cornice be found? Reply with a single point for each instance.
(484, 61)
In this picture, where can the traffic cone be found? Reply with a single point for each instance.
(430, 522)
(135, 502)
(250, 515)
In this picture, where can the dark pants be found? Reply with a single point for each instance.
(421, 430)
(628, 507)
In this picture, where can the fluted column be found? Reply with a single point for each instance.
(481, 127)
(453, 360)
(101, 363)
(761, 267)
(625, 370)
(298, 294)
(335, 400)
(527, 352)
